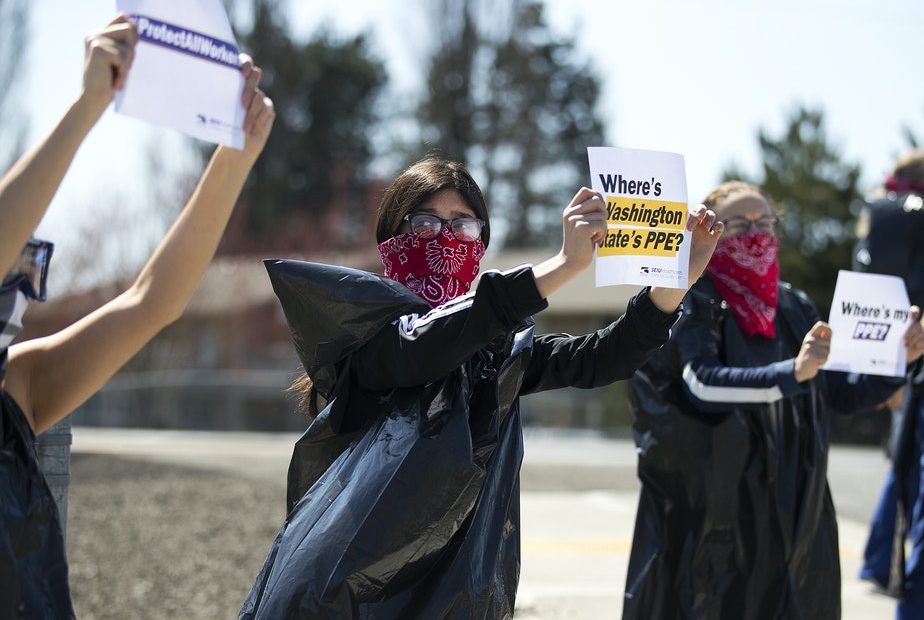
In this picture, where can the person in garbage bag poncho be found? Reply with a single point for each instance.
(44, 379)
(735, 519)
(404, 490)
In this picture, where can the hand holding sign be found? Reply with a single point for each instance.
(816, 346)
(260, 110)
(583, 226)
(705, 232)
(108, 56)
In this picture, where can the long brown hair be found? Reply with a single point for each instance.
(406, 193)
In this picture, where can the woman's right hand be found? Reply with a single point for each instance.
(816, 346)
(108, 56)
(583, 227)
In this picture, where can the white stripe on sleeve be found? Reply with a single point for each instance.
(722, 394)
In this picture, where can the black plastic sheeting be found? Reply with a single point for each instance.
(33, 569)
(415, 512)
(735, 520)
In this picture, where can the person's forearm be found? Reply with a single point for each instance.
(667, 299)
(552, 274)
(173, 272)
(28, 187)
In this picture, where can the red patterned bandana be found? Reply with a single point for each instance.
(746, 272)
(903, 186)
(437, 269)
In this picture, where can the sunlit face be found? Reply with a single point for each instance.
(744, 213)
(447, 204)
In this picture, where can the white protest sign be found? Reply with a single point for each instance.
(869, 317)
(186, 71)
(646, 202)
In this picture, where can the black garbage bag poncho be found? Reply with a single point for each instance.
(33, 568)
(735, 519)
(413, 513)
(403, 493)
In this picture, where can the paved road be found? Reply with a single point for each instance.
(578, 505)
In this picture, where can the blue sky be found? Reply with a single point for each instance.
(696, 77)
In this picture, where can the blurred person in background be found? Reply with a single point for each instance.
(892, 242)
(43, 380)
(735, 519)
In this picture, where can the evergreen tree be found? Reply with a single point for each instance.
(511, 98)
(314, 169)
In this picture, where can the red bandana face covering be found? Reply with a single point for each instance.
(903, 186)
(746, 272)
(437, 269)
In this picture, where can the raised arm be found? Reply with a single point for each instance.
(418, 349)
(51, 376)
(29, 185)
(714, 387)
(602, 357)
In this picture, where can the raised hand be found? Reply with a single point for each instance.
(583, 227)
(108, 56)
(706, 232)
(705, 235)
(816, 346)
(260, 111)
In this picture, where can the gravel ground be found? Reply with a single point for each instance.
(149, 540)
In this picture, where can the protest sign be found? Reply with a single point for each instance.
(186, 71)
(869, 317)
(646, 203)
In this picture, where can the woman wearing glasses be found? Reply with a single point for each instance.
(735, 519)
(390, 527)
(43, 380)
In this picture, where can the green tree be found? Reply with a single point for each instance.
(316, 160)
(816, 190)
(514, 100)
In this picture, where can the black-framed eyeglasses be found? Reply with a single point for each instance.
(735, 226)
(30, 271)
(428, 226)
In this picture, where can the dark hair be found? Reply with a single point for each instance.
(417, 184)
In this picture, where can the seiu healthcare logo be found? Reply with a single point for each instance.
(868, 330)
(662, 272)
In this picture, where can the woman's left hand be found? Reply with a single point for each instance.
(260, 112)
(914, 337)
(706, 232)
